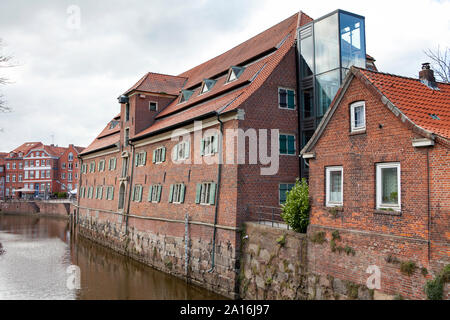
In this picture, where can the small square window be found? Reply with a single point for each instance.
(358, 116)
(153, 106)
(334, 186)
(286, 98)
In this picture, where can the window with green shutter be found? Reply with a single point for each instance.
(209, 145)
(284, 188)
(206, 193)
(154, 193)
(177, 192)
(286, 98)
(159, 155)
(287, 144)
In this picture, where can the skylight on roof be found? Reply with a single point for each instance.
(434, 116)
(185, 95)
(235, 73)
(207, 85)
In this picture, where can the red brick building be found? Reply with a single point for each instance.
(37, 169)
(380, 176)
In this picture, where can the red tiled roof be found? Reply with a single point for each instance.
(103, 140)
(416, 100)
(159, 83)
(270, 46)
(253, 77)
(253, 47)
(108, 130)
(27, 146)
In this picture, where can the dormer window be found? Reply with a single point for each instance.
(208, 84)
(185, 95)
(235, 73)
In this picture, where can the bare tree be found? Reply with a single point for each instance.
(5, 62)
(440, 63)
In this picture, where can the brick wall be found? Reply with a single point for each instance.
(374, 235)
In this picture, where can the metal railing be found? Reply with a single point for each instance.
(269, 216)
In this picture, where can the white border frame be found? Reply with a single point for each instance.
(353, 106)
(295, 98)
(380, 204)
(328, 170)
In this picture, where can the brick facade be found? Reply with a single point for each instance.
(419, 233)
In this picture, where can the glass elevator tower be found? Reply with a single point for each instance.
(327, 48)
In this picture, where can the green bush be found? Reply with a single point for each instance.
(434, 288)
(295, 212)
(62, 195)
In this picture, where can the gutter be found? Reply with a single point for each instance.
(219, 175)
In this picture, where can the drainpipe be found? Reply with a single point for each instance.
(80, 172)
(298, 101)
(219, 174)
(428, 204)
(131, 185)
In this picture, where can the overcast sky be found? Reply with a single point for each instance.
(69, 78)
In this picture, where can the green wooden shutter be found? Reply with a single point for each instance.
(291, 100)
(154, 156)
(175, 150)
(202, 147)
(140, 193)
(186, 150)
(291, 145)
(136, 160)
(171, 193)
(115, 163)
(198, 192)
(216, 143)
(212, 193)
(150, 192)
(134, 193)
(182, 191)
(283, 140)
(163, 155)
(101, 193)
(112, 193)
(159, 193)
(145, 158)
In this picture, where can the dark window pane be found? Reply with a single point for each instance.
(283, 98)
(283, 144)
(307, 103)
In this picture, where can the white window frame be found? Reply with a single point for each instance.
(328, 171)
(211, 149)
(158, 155)
(176, 195)
(353, 106)
(149, 103)
(176, 151)
(279, 101)
(379, 193)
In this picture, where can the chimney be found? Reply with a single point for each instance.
(426, 73)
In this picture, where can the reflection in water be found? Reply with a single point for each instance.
(37, 252)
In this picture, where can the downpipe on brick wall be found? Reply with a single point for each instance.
(130, 163)
(219, 175)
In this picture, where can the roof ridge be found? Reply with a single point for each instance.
(396, 75)
(236, 46)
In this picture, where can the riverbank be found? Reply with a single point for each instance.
(56, 209)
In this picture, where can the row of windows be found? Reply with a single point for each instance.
(112, 164)
(205, 193)
(388, 186)
(88, 192)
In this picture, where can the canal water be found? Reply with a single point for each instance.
(35, 253)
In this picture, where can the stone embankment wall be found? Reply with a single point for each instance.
(275, 265)
(159, 245)
(56, 209)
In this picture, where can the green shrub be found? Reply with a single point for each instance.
(319, 237)
(408, 267)
(295, 212)
(434, 288)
